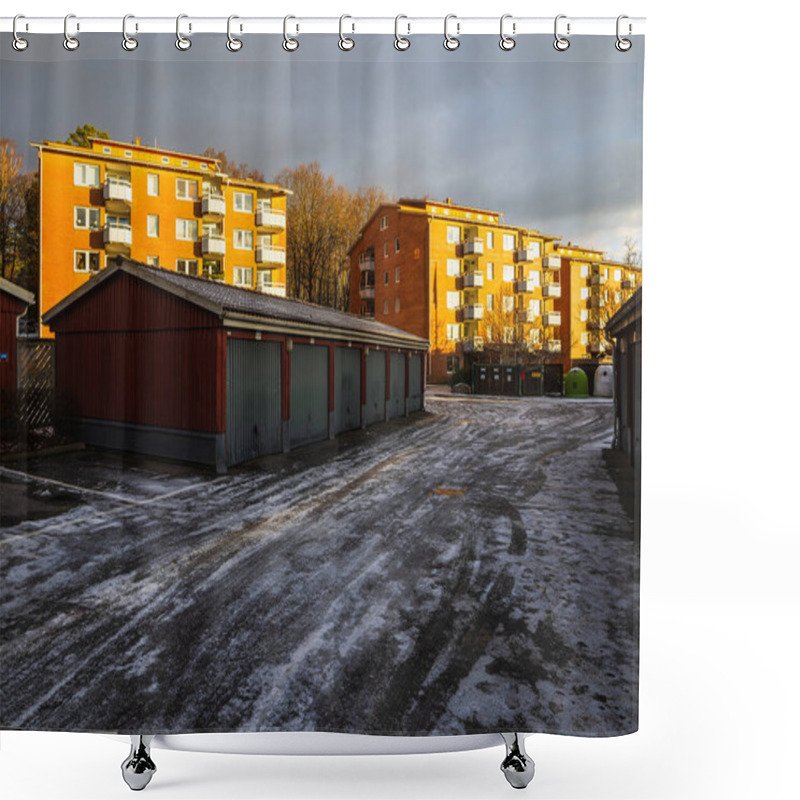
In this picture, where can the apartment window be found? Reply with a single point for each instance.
(165, 159)
(397, 305)
(617, 297)
(87, 261)
(152, 261)
(386, 249)
(508, 273)
(185, 189)
(152, 224)
(454, 299)
(508, 303)
(188, 266)
(534, 307)
(584, 337)
(152, 184)
(453, 234)
(107, 150)
(384, 222)
(186, 229)
(385, 306)
(184, 163)
(490, 302)
(534, 278)
(386, 278)
(584, 315)
(453, 332)
(87, 218)
(605, 273)
(584, 292)
(397, 244)
(397, 274)
(508, 241)
(243, 201)
(86, 174)
(453, 363)
(535, 335)
(242, 276)
(490, 271)
(204, 166)
(489, 240)
(489, 333)
(584, 270)
(453, 266)
(242, 239)
(617, 274)
(508, 334)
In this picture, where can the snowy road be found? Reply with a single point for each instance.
(467, 570)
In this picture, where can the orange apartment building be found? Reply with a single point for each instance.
(467, 281)
(173, 210)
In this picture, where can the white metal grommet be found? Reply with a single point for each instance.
(345, 43)
(181, 42)
(561, 43)
(506, 42)
(19, 44)
(70, 42)
(289, 43)
(451, 42)
(128, 42)
(233, 44)
(400, 42)
(623, 45)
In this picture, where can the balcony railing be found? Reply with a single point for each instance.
(117, 189)
(551, 290)
(552, 318)
(213, 245)
(473, 247)
(596, 324)
(366, 292)
(552, 262)
(597, 280)
(214, 204)
(116, 233)
(524, 286)
(470, 312)
(272, 218)
(471, 280)
(597, 302)
(270, 254)
(525, 254)
(525, 316)
(472, 344)
(597, 347)
(553, 346)
(628, 284)
(270, 287)
(367, 265)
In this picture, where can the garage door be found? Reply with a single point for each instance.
(309, 386)
(254, 399)
(376, 387)
(397, 387)
(347, 401)
(415, 383)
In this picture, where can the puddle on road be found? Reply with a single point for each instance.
(24, 501)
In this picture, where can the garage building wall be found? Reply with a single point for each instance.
(308, 421)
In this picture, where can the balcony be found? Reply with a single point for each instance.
(270, 254)
(553, 346)
(627, 285)
(597, 302)
(115, 233)
(271, 218)
(117, 190)
(270, 287)
(597, 347)
(472, 312)
(597, 280)
(551, 290)
(213, 245)
(525, 316)
(366, 292)
(367, 265)
(552, 318)
(524, 286)
(472, 344)
(596, 324)
(552, 262)
(470, 280)
(214, 205)
(526, 254)
(472, 247)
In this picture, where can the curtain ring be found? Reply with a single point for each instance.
(19, 43)
(561, 43)
(623, 45)
(128, 42)
(289, 43)
(181, 42)
(400, 42)
(507, 42)
(451, 42)
(70, 42)
(233, 44)
(345, 43)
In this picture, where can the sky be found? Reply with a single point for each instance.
(551, 140)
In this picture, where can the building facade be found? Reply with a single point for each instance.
(470, 283)
(167, 209)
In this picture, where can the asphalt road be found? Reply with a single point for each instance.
(463, 571)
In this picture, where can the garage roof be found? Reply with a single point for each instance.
(239, 307)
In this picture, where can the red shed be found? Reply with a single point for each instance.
(158, 362)
(14, 302)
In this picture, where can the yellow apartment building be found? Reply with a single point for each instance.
(173, 210)
(469, 282)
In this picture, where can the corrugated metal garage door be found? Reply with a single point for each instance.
(397, 386)
(376, 387)
(254, 399)
(309, 385)
(347, 400)
(414, 383)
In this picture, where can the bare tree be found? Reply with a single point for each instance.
(633, 254)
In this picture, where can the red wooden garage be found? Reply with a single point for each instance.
(14, 302)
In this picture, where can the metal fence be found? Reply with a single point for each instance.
(36, 361)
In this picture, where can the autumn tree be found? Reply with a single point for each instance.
(83, 133)
(231, 168)
(19, 217)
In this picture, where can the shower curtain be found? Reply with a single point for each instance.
(320, 385)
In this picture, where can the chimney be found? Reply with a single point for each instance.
(138, 141)
(449, 201)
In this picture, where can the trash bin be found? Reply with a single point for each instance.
(576, 383)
